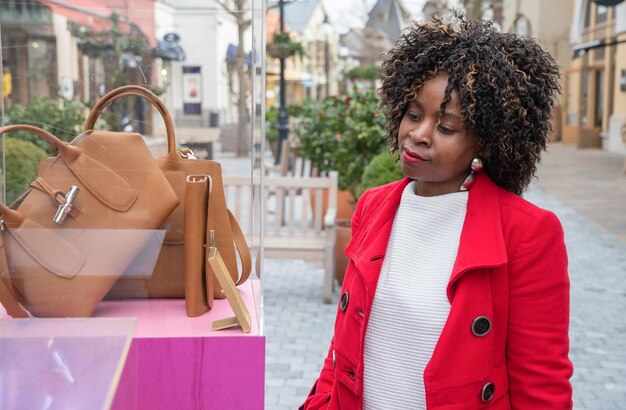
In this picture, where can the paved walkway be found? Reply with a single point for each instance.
(587, 191)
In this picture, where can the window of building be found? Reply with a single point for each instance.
(599, 99)
(571, 98)
(602, 13)
(598, 54)
(584, 120)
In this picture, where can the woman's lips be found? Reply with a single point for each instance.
(411, 157)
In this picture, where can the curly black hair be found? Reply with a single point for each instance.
(506, 85)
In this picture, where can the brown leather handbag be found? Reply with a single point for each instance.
(168, 278)
(92, 209)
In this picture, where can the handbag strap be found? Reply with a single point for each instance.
(7, 292)
(137, 91)
(242, 249)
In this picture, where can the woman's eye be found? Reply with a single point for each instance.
(413, 117)
(445, 130)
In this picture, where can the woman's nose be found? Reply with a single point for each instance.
(421, 134)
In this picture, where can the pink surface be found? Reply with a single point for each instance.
(193, 373)
(178, 362)
(167, 317)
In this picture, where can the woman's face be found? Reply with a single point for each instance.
(435, 149)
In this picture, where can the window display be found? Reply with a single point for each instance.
(121, 128)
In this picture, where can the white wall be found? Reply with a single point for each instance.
(205, 31)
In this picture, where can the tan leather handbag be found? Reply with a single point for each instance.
(167, 280)
(92, 209)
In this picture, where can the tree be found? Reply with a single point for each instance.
(238, 9)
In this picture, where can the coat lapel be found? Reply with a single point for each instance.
(368, 249)
(482, 242)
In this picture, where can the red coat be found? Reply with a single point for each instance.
(511, 269)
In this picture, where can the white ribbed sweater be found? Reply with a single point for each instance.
(410, 306)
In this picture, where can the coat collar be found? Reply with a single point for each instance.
(481, 243)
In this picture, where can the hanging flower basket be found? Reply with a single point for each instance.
(282, 46)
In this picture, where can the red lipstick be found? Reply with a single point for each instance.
(411, 157)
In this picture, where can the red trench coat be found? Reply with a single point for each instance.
(511, 268)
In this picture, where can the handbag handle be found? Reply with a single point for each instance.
(51, 139)
(137, 91)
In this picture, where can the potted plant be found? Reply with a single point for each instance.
(283, 46)
(343, 133)
(383, 169)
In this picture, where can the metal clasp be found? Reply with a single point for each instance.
(187, 153)
(64, 209)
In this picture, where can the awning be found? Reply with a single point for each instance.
(93, 14)
(169, 51)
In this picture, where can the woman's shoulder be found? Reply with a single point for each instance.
(517, 211)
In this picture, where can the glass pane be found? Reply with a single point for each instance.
(204, 61)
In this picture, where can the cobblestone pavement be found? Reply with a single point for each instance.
(299, 327)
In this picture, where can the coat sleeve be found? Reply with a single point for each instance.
(538, 343)
(320, 395)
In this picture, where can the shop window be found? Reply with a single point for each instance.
(572, 101)
(584, 99)
(599, 99)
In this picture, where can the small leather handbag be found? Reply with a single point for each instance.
(168, 278)
(89, 213)
(198, 279)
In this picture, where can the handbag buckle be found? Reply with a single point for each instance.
(187, 153)
(64, 209)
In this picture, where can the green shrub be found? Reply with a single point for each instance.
(22, 162)
(383, 169)
(343, 133)
(62, 118)
(364, 72)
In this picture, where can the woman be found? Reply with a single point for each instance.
(457, 293)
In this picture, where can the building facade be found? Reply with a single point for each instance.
(549, 22)
(595, 82)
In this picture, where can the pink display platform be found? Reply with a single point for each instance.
(178, 362)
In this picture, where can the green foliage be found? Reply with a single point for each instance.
(63, 118)
(271, 119)
(283, 46)
(383, 169)
(271, 124)
(22, 162)
(364, 72)
(343, 133)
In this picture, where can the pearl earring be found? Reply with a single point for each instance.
(477, 165)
